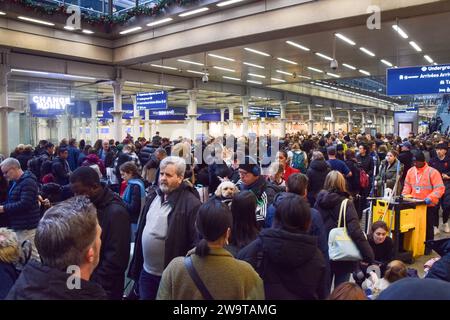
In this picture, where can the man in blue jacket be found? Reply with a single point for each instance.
(21, 207)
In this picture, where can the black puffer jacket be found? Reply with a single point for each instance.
(291, 266)
(328, 204)
(39, 282)
(181, 233)
(22, 208)
(317, 172)
(114, 219)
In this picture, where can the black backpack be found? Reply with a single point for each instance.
(34, 165)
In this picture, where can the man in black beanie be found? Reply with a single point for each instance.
(251, 180)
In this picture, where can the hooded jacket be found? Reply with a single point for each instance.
(114, 220)
(22, 208)
(93, 159)
(425, 182)
(441, 268)
(265, 193)
(39, 282)
(291, 266)
(329, 203)
(181, 233)
(317, 172)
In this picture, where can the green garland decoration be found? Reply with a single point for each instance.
(157, 9)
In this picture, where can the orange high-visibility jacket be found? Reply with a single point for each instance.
(425, 182)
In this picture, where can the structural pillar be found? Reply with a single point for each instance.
(231, 119)
(245, 116)
(385, 125)
(62, 127)
(283, 119)
(83, 129)
(375, 122)
(350, 121)
(93, 124)
(135, 120)
(4, 107)
(222, 121)
(147, 133)
(363, 122)
(262, 127)
(332, 121)
(192, 113)
(310, 121)
(117, 113)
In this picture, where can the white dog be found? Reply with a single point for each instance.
(226, 190)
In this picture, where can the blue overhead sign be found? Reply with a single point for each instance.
(104, 110)
(418, 80)
(168, 114)
(156, 100)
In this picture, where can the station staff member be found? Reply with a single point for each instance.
(425, 183)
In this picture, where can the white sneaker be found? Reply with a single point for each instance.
(445, 227)
(436, 231)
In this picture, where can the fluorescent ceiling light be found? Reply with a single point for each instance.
(253, 65)
(189, 13)
(428, 58)
(130, 30)
(435, 63)
(231, 78)
(88, 31)
(400, 31)
(279, 80)
(2, 13)
(257, 52)
(162, 86)
(255, 82)
(155, 23)
(190, 62)
(344, 38)
(333, 75)
(370, 53)
(284, 72)
(28, 71)
(305, 77)
(288, 61)
(69, 28)
(319, 105)
(78, 77)
(315, 70)
(36, 21)
(324, 56)
(349, 66)
(364, 72)
(220, 57)
(415, 46)
(227, 3)
(256, 75)
(224, 69)
(386, 62)
(164, 67)
(198, 72)
(292, 43)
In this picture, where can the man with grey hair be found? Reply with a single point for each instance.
(68, 240)
(166, 227)
(21, 207)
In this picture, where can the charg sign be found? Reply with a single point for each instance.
(49, 106)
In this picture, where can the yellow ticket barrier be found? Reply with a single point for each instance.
(412, 217)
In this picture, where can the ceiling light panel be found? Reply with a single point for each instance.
(253, 65)
(400, 31)
(344, 38)
(287, 61)
(155, 23)
(349, 66)
(220, 57)
(415, 46)
(368, 52)
(297, 45)
(190, 13)
(257, 52)
(323, 56)
(190, 62)
(224, 69)
(227, 3)
(256, 75)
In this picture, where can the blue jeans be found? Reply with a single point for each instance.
(148, 285)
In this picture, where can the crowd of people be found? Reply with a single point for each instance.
(211, 219)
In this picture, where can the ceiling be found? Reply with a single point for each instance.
(386, 44)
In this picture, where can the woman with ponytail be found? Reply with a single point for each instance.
(223, 276)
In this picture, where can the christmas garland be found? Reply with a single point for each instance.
(154, 10)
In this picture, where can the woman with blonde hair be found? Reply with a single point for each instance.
(329, 203)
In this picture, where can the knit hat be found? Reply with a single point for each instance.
(442, 146)
(250, 165)
(418, 156)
